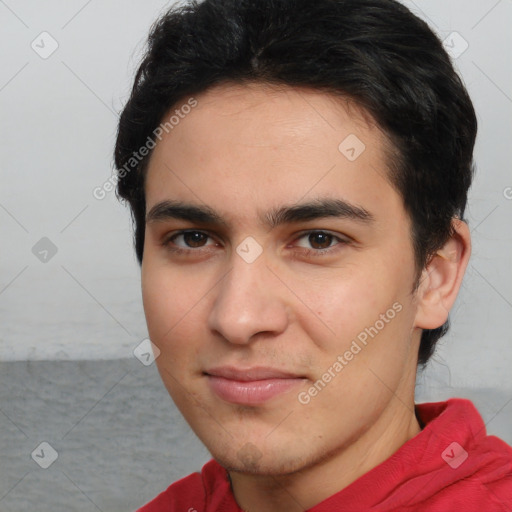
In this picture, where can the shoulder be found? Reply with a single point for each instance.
(474, 469)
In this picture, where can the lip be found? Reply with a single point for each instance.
(250, 386)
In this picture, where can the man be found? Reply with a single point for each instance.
(298, 173)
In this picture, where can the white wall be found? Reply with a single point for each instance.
(57, 129)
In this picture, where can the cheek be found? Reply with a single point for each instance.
(170, 301)
(367, 342)
(369, 304)
(171, 307)
(159, 304)
(340, 306)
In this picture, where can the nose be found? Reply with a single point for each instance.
(248, 301)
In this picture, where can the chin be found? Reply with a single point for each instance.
(250, 459)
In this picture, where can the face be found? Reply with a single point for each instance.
(277, 277)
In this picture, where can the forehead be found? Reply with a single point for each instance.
(259, 145)
(273, 113)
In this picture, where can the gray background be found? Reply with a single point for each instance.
(71, 320)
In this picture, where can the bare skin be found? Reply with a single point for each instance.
(317, 285)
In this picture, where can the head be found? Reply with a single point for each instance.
(246, 121)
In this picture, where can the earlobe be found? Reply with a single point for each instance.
(441, 278)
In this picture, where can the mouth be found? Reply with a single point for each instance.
(251, 386)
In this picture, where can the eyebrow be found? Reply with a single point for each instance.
(302, 212)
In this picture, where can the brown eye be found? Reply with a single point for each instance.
(194, 238)
(320, 240)
(319, 243)
(185, 240)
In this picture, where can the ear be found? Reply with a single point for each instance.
(441, 278)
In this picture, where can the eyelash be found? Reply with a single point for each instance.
(304, 252)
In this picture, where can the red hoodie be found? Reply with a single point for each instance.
(451, 465)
